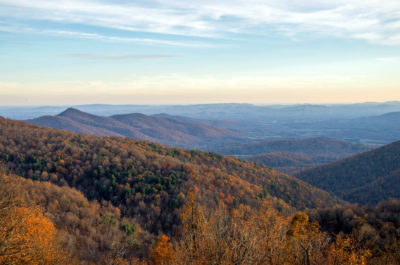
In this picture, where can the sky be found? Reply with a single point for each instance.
(183, 51)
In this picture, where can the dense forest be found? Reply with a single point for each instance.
(68, 198)
(88, 231)
(141, 177)
(42, 223)
(365, 178)
(374, 227)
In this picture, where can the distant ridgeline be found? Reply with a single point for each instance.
(163, 129)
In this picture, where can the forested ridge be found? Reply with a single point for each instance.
(365, 178)
(114, 200)
(137, 175)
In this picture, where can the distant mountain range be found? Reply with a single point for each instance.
(288, 155)
(365, 178)
(226, 111)
(368, 123)
(163, 129)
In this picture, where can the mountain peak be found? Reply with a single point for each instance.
(70, 111)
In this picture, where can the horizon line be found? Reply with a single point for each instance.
(210, 103)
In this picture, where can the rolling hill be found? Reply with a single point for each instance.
(82, 122)
(365, 178)
(164, 130)
(141, 178)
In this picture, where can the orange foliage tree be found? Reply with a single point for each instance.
(162, 253)
(28, 237)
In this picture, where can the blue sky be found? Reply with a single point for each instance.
(178, 52)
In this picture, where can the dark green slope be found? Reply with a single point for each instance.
(365, 178)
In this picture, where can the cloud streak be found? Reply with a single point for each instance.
(374, 21)
(116, 57)
(102, 37)
(149, 41)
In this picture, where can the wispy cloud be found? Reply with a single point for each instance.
(112, 57)
(375, 21)
(102, 37)
(151, 41)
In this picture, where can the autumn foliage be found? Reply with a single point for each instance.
(26, 235)
(245, 236)
(92, 200)
(28, 238)
(162, 253)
